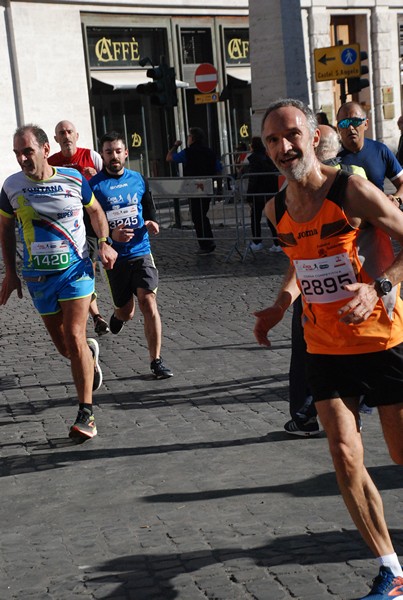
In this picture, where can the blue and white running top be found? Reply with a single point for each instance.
(121, 197)
(50, 218)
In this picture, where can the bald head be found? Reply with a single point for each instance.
(66, 136)
(352, 132)
(350, 109)
(329, 143)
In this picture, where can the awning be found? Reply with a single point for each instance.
(238, 78)
(240, 73)
(127, 79)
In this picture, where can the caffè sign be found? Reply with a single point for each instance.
(124, 47)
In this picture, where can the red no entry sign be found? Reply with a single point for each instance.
(206, 78)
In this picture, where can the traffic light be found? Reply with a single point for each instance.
(162, 90)
(356, 84)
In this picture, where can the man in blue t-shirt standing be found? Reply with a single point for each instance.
(198, 161)
(127, 203)
(377, 160)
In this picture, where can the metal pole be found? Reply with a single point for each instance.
(343, 95)
(208, 109)
(143, 120)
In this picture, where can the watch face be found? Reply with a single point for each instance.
(386, 286)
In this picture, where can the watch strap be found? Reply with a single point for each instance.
(107, 240)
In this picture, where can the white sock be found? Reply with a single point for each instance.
(391, 561)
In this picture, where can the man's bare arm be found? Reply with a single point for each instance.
(267, 318)
(11, 280)
(101, 227)
(365, 203)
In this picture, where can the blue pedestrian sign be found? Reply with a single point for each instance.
(349, 56)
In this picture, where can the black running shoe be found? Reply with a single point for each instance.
(115, 324)
(160, 370)
(307, 429)
(204, 251)
(94, 347)
(100, 325)
(84, 426)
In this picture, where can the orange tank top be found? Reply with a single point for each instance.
(327, 252)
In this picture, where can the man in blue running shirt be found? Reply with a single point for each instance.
(129, 208)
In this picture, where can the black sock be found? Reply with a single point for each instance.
(87, 406)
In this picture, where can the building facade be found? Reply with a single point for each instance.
(84, 62)
(285, 34)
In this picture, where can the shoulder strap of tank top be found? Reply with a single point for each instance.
(338, 187)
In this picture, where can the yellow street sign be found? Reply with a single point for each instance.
(337, 62)
(206, 98)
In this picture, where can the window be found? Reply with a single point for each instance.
(196, 46)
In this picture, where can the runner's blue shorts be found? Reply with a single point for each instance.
(47, 291)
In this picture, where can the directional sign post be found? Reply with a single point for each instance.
(206, 98)
(206, 78)
(337, 62)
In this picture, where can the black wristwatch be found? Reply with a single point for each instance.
(383, 286)
(107, 240)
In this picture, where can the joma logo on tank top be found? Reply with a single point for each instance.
(307, 233)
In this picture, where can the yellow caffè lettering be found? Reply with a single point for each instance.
(238, 48)
(116, 50)
(108, 51)
(136, 140)
(244, 131)
(134, 49)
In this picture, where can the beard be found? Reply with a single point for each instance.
(299, 171)
(115, 167)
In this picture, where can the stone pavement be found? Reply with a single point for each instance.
(192, 490)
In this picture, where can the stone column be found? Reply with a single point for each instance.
(277, 52)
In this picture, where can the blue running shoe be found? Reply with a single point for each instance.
(386, 585)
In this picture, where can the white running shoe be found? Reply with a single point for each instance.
(256, 247)
(94, 347)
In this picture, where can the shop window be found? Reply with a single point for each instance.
(196, 46)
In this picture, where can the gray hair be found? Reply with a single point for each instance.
(37, 132)
(329, 143)
(284, 102)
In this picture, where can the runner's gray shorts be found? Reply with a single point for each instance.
(378, 375)
(129, 275)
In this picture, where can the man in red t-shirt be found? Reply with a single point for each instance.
(89, 163)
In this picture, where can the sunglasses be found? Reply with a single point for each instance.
(355, 122)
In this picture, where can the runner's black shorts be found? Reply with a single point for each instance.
(129, 275)
(377, 375)
(92, 243)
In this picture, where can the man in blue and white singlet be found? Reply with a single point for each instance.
(47, 203)
(129, 208)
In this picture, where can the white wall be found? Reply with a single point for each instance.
(51, 66)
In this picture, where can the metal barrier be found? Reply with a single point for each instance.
(228, 212)
(173, 195)
(253, 200)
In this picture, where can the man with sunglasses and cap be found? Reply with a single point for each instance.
(375, 157)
